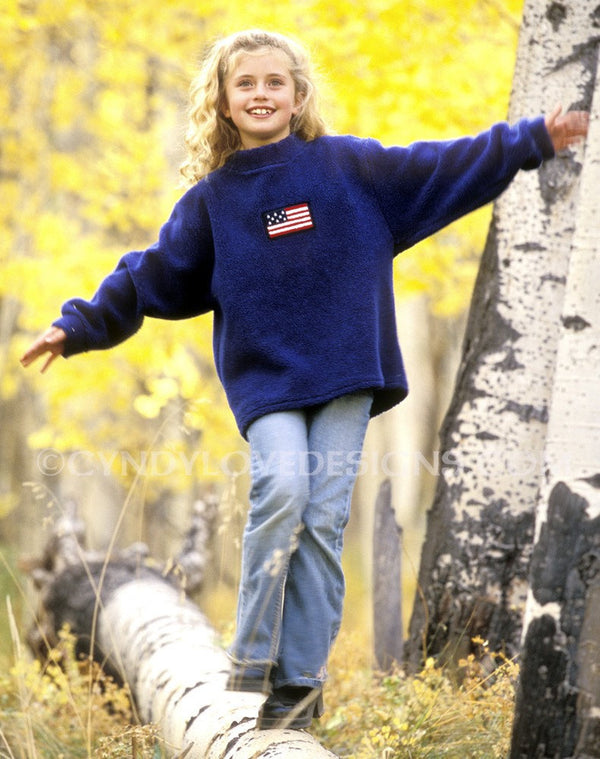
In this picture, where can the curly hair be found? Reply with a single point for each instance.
(211, 137)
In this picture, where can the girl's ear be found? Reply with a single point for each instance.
(298, 104)
(224, 108)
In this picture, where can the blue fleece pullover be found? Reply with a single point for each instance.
(291, 245)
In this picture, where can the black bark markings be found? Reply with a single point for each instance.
(526, 411)
(552, 699)
(531, 246)
(594, 480)
(556, 179)
(486, 436)
(553, 278)
(192, 719)
(544, 705)
(560, 538)
(576, 323)
(189, 690)
(586, 55)
(232, 743)
(556, 14)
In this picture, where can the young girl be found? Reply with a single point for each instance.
(288, 235)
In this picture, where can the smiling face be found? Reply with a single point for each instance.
(260, 98)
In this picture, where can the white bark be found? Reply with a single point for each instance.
(500, 437)
(144, 629)
(572, 450)
(166, 651)
(496, 428)
(560, 679)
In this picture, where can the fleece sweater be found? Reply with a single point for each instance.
(291, 245)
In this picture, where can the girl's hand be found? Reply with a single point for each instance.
(52, 342)
(567, 130)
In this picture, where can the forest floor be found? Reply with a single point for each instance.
(70, 711)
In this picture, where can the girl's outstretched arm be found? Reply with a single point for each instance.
(52, 341)
(568, 129)
(171, 280)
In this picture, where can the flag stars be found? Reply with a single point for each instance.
(276, 217)
(287, 220)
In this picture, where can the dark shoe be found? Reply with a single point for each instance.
(291, 707)
(249, 679)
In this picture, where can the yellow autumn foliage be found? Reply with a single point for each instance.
(92, 102)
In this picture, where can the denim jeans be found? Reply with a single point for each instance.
(303, 465)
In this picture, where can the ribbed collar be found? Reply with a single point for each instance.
(266, 155)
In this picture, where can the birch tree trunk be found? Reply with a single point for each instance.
(142, 628)
(476, 555)
(558, 704)
(387, 591)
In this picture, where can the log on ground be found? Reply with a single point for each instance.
(147, 633)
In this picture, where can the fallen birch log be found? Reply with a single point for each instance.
(144, 630)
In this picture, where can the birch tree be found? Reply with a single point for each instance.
(134, 617)
(474, 568)
(558, 704)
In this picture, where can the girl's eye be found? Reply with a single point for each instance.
(276, 83)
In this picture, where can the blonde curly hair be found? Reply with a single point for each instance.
(211, 137)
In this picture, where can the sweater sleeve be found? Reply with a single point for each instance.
(169, 280)
(425, 186)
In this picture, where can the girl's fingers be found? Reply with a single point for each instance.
(49, 360)
(51, 341)
(551, 119)
(557, 110)
(568, 129)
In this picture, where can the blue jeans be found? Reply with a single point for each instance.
(303, 465)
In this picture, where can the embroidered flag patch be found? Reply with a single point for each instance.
(285, 221)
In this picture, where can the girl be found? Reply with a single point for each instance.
(288, 235)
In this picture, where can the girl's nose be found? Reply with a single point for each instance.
(260, 91)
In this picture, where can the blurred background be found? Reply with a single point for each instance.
(93, 100)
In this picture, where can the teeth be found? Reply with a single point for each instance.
(261, 111)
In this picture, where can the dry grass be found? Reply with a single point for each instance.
(68, 709)
(417, 717)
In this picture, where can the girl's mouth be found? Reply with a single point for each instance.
(260, 111)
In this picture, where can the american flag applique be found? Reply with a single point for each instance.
(285, 221)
